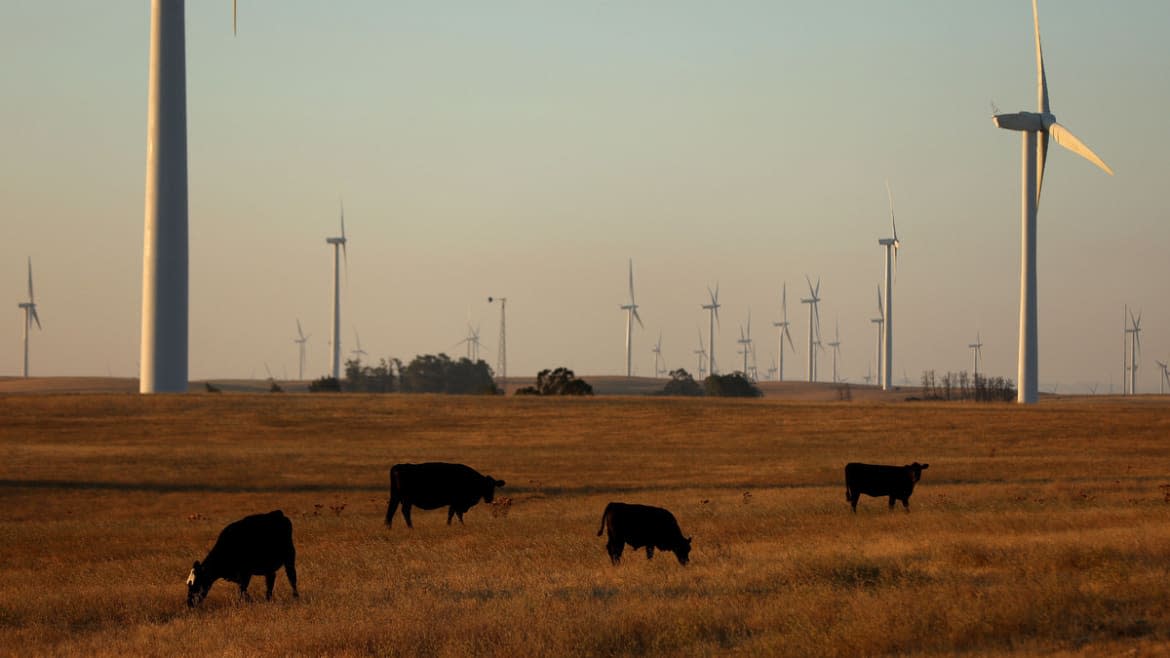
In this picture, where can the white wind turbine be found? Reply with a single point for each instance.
(836, 345)
(1165, 381)
(659, 367)
(1037, 128)
(301, 340)
(814, 326)
(713, 307)
(783, 327)
(702, 354)
(163, 347)
(339, 250)
(879, 321)
(977, 351)
(359, 352)
(472, 342)
(631, 310)
(30, 316)
(1135, 348)
(746, 341)
(892, 245)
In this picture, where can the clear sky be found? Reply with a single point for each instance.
(527, 149)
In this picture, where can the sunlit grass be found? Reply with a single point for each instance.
(1035, 530)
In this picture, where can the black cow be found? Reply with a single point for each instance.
(642, 525)
(897, 482)
(255, 545)
(436, 484)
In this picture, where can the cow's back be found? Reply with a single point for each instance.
(641, 525)
(260, 542)
(435, 484)
(877, 479)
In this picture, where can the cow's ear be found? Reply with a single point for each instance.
(499, 483)
(925, 466)
(196, 566)
(689, 540)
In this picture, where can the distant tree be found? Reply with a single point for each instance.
(734, 385)
(370, 379)
(325, 384)
(212, 388)
(681, 383)
(561, 381)
(429, 373)
(273, 387)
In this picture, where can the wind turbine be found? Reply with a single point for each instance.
(977, 349)
(746, 341)
(631, 310)
(702, 354)
(659, 369)
(300, 340)
(472, 342)
(502, 351)
(868, 374)
(339, 250)
(1037, 128)
(772, 370)
(783, 326)
(814, 329)
(892, 245)
(359, 352)
(713, 307)
(1135, 347)
(30, 315)
(836, 345)
(163, 347)
(879, 321)
(1162, 383)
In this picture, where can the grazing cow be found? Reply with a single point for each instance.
(642, 525)
(255, 545)
(897, 482)
(436, 484)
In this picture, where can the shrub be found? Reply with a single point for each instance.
(681, 383)
(561, 381)
(735, 385)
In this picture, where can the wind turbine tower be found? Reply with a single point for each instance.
(702, 354)
(659, 368)
(1036, 129)
(359, 352)
(502, 351)
(836, 345)
(746, 341)
(977, 351)
(713, 307)
(1165, 377)
(1135, 348)
(339, 250)
(631, 310)
(814, 326)
(300, 340)
(879, 321)
(30, 315)
(892, 245)
(783, 326)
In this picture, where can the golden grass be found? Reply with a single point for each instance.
(1039, 530)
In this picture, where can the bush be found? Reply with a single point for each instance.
(735, 385)
(561, 381)
(681, 383)
(439, 374)
(325, 384)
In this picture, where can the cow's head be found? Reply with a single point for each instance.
(198, 584)
(489, 488)
(915, 470)
(683, 551)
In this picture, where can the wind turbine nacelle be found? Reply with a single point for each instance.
(334, 240)
(1024, 121)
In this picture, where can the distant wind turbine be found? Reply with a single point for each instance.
(1165, 381)
(1135, 348)
(301, 340)
(746, 341)
(814, 326)
(836, 345)
(631, 310)
(879, 321)
(783, 327)
(702, 354)
(163, 347)
(339, 250)
(659, 367)
(502, 350)
(471, 342)
(359, 352)
(977, 351)
(892, 245)
(713, 307)
(1037, 128)
(30, 315)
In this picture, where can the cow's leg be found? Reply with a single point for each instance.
(892, 501)
(269, 581)
(649, 551)
(615, 548)
(451, 513)
(391, 508)
(290, 570)
(459, 514)
(853, 502)
(406, 513)
(244, 596)
(906, 504)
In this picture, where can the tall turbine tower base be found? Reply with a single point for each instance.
(1029, 389)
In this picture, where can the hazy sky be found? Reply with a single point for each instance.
(527, 149)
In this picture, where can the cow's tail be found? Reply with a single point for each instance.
(604, 516)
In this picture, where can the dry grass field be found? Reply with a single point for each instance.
(1037, 531)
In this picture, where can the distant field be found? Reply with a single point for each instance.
(1039, 530)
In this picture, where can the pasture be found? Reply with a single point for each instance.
(1039, 530)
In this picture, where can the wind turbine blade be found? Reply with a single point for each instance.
(1062, 136)
(300, 332)
(784, 300)
(818, 290)
(235, 13)
(37, 318)
(638, 318)
(789, 337)
(1041, 77)
(810, 288)
(893, 224)
(631, 281)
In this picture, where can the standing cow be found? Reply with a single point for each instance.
(897, 482)
(436, 484)
(256, 545)
(642, 525)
